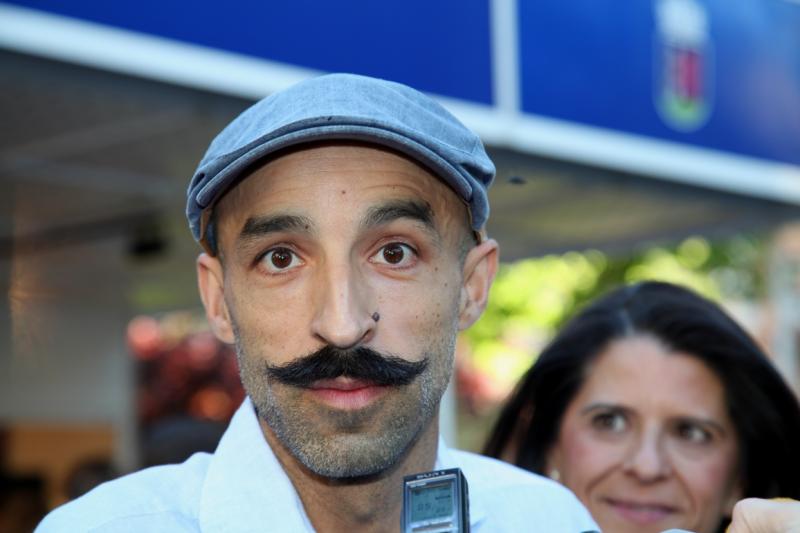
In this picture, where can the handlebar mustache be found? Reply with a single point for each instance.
(358, 363)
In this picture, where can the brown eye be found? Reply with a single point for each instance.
(693, 433)
(610, 422)
(393, 253)
(280, 259)
(397, 255)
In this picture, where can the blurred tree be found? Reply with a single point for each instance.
(533, 297)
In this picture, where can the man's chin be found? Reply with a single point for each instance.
(345, 444)
(352, 458)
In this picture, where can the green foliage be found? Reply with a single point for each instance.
(532, 298)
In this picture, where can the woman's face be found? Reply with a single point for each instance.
(647, 443)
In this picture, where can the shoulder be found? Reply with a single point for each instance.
(491, 475)
(157, 498)
(515, 500)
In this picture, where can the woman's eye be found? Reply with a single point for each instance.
(395, 254)
(611, 422)
(280, 259)
(693, 433)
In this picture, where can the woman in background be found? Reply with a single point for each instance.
(658, 411)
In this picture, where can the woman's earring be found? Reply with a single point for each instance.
(554, 474)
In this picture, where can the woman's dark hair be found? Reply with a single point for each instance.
(764, 411)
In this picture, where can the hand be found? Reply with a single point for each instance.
(754, 515)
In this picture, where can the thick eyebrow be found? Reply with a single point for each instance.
(604, 406)
(256, 227)
(398, 209)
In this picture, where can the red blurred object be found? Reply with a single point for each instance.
(144, 337)
(202, 349)
(211, 403)
(474, 389)
(196, 377)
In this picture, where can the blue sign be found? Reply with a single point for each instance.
(723, 75)
(440, 47)
(720, 74)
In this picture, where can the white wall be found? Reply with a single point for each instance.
(66, 359)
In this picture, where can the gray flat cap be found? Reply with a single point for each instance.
(344, 107)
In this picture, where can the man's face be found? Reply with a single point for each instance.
(355, 251)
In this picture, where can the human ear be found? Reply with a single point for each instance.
(480, 267)
(552, 467)
(210, 282)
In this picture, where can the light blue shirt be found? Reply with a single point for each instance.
(242, 488)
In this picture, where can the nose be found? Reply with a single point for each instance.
(647, 459)
(343, 315)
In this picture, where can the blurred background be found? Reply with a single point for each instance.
(657, 139)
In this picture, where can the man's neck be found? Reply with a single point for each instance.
(372, 505)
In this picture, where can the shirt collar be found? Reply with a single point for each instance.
(246, 488)
(446, 458)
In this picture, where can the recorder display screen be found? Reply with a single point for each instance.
(432, 501)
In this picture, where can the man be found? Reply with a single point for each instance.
(342, 222)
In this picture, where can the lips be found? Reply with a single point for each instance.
(641, 512)
(346, 393)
